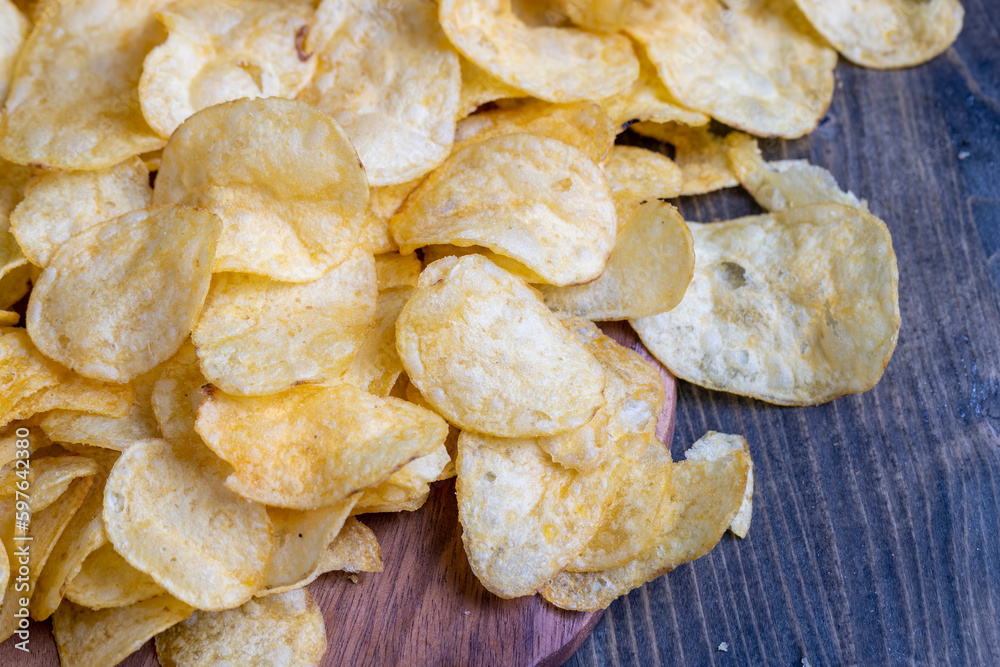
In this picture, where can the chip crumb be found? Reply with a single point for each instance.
(723, 647)
(353, 578)
(964, 155)
(805, 662)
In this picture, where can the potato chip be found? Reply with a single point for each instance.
(702, 156)
(79, 394)
(334, 441)
(176, 393)
(405, 487)
(647, 273)
(413, 395)
(9, 318)
(436, 251)
(257, 336)
(640, 175)
(106, 580)
(48, 476)
(284, 630)
(523, 516)
(757, 66)
(580, 124)
(283, 178)
(87, 638)
(715, 445)
(885, 34)
(578, 66)
(706, 495)
(59, 205)
(15, 272)
(395, 270)
(376, 365)
(356, 549)
(23, 372)
(143, 276)
(484, 350)
(218, 51)
(535, 199)
(598, 15)
(786, 184)
(797, 307)
(14, 28)
(168, 513)
(73, 101)
(301, 538)
(480, 87)
(389, 77)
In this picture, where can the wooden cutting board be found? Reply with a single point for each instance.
(427, 607)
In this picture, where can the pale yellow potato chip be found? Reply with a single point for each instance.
(702, 156)
(407, 485)
(395, 270)
(106, 580)
(88, 638)
(480, 87)
(484, 350)
(637, 174)
(60, 205)
(413, 395)
(284, 630)
(15, 272)
(218, 51)
(534, 199)
(436, 251)
(257, 336)
(578, 65)
(386, 200)
(145, 276)
(714, 445)
(706, 496)
(334, 441)
(301, 537)
(387, 74)
(73, 100)
(524, 517)
(79, 394)
(598, 15)
(647, 273)
(580, 124)
(47, 476)
(24, 372)
(376, 365)
(797, 307)
(14, 28)
(283, 178)
(176, 393)
(169, 514)
(355, 549)
(785, 184)
(884, 34)
(757, 66)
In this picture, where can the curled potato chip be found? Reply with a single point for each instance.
(557, 511)
(60, 205)
(885, 34)
(24, 372)
(168, 513)
(578, 66)
(389, 77)
(72, 102)
(405, 487)
(714, 445)
(376, 365)
(80, 394)
(647, 273)
(144, 276)
(534, 199)
(176, 393)
(334, 441)
(702, 156)
(48, 476)
(413, 395)
(484, 350)
(284, 629)
(14, 28)
(106, 580)
(757, 66)
(706, 494)
(88, 638)
(639, 175)
(785, 184)
(257, 336)
(283, 178)
(797, 307)
(218, 51)
(648, 99)
(434, 252)
(355, 549)
(480, 87)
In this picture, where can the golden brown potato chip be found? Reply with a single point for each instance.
(334, 441)
(534, 199)
(283, 630)
(524, 517)
(580, 124)
(9, 318)
(59, 205)
(144, 276)
(176, 393)
(73, 100)
(647, 273)
(168, 513)
(786, 184)
(87, 638)
(376, 365)
(219, 50)
(480, 87)
(706, 496)
(14, 28)
(887, 33)
(702, 156)
(283, 178)
(258, 336)
(715, 445)
(578, 65)
(484, 350)
(356, 549)
(405, 487)
(24, 372)
(395, 270)
(796, 307)
(106, 580)
(387, 74)
(758, 66)
(648, 99)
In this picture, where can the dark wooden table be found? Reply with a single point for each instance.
(876, 528)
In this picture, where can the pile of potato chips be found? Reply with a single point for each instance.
(286, 263)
